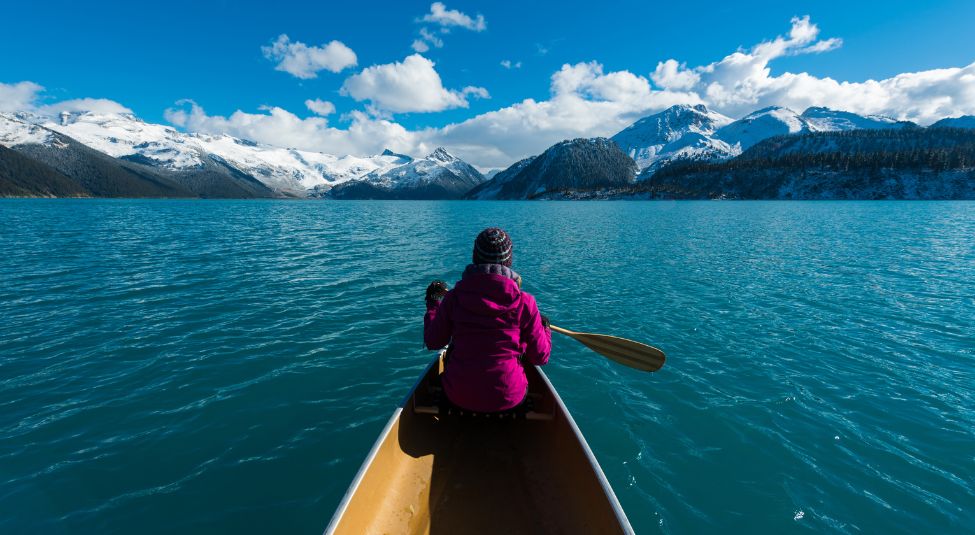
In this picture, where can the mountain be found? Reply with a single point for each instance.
(763, 124)
(904, 163)
(680, 131)
(100, 175)
(694, 133)
(439, 175)
(828, 120)
(20, 176)
(965, 121)
(122, 146)
(289, 172)
(578, 164)
(491, 188)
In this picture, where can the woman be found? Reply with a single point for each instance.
(492, 325)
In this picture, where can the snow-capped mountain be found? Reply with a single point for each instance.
(762, 124)
(439, 175)
(288, 170)
(827, 120)
(777, 121)
(965, 121)
(696, 133)
(680, 131)
(865, 163)
(63, 165)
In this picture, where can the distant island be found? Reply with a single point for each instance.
(684, 152)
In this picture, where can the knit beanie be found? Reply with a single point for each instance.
(493, 246)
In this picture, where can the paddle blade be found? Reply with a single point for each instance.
(620, 350)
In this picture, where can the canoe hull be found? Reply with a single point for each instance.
(443, 474)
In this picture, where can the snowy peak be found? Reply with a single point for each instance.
(647, 140)
(441, 155)
(829, 120)
(439, 175)
(669, 125)
(762, 124)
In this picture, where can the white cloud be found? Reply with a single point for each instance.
(320, 107)
(412, 85)
(27, 96)
(277, 126)
(671, 75)
(95, 105)
(508, 64)
(439, 14)
(743, 81)
(431, 38)
(19, 96)
(476, 92)
(426, 40)
(303, 61)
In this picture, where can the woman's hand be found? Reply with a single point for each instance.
(435, 292)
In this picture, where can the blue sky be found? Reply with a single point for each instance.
(147, 56)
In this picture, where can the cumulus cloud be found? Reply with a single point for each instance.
(277, 126)
(743, 81)
(412, 85)
(508, 64)
(95, 105)
(27, 96)
(439, 14)
(320, 107)
(420, 46)
(19, 96)
(303, 61)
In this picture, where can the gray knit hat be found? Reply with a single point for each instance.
(493, 246)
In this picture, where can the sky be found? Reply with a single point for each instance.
(492, 82)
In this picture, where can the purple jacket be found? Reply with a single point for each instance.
(493, 325)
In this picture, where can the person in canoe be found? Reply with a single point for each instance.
(492, 325)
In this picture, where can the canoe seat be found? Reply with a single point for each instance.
(436, 402)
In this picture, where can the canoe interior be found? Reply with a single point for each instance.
(446, 474)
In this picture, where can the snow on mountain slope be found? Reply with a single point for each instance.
(827, 120)
(438, 166)
(18, 129)
(126, 136)
(762, 124)
(661, 137)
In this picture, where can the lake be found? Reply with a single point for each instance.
(224, 366)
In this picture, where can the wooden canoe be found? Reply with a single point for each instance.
(445, 474)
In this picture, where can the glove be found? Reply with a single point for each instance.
(435, 292)
(545, 323)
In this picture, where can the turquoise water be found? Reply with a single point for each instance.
(212, 366)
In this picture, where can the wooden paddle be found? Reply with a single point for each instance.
(626, 352)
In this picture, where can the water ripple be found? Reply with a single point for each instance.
(224, 366)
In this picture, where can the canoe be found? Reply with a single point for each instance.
(436, 472)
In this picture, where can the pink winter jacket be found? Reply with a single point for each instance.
(493, 326)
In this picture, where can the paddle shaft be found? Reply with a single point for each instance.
(620, 350)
